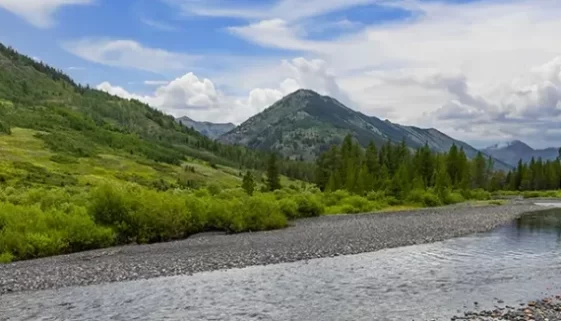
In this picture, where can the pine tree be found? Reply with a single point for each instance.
(479, 171)
(273, 177)
(372, 163)
(442, 179)
(248, 184)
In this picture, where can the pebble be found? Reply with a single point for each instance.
(307, 239)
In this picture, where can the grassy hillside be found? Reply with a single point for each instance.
(79, 122)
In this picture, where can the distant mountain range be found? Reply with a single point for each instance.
(514, 151)
(208, 129)
(304, 124)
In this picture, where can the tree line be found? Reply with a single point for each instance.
(398, 170)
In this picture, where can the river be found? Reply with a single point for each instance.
(515, 263)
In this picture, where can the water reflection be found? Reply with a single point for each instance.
(548, 221)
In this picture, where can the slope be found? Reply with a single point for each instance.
(211, 130)
(73, 124)
(304, 124)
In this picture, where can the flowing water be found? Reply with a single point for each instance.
(514, 263)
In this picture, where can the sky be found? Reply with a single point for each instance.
(482, 71)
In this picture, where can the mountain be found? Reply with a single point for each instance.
(211, 130)
(54, 131)
(514, 151)
(304, 124)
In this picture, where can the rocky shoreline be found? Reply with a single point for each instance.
(548, 309)
(307, 239)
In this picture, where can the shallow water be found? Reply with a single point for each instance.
(515, 263)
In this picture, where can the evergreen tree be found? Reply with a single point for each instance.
(442, 179)
(273, 177)
(372, 163)
(479, 171)
(248, 184)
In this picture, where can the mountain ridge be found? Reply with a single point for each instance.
(304, 123)
(514, 151)
(209, 129)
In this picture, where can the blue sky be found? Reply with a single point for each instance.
(482, 71)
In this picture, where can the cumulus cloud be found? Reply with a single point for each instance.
(178, 96)
(468, 68)
(200, 99)
(129, 54)
(38, 12)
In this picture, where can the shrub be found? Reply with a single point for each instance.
(309, 205)
(453, 198)
(109, 205)
(532, 194)
(6, 257)
(476, 194)
(289, 208)
(425, 198)
(358, 204)
(28, 232)
(376, 196)
(392, 201)
(335, 198)
(4, 128)
(214, 189)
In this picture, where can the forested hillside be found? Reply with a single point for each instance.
(81, 169)
(304, 124)
(211, 130)
(82, 122)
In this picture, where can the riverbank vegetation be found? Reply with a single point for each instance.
(81, 169)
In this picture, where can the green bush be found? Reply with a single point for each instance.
(476, 194)
(214, 189)
(335, 198)
(358, 204)
(453, 198)
(392, 201)
(5, 128)
(28, 232)
(533, 194)
(425, 198)
(289, 208)
(109, 205)
(309, 205)
(6, 257)
(376, 196)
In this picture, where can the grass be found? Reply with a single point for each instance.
(24, 146)
(53, 203)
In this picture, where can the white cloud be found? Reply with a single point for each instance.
(468, 69)
(75, 68)
(38, 12)
(155, 82)
(284, 9)
(199, 99)
(129, 54)
(469, 60)
(159, 25)
(176, 97)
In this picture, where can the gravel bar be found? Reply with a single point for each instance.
(548, 309)
(324, 236)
